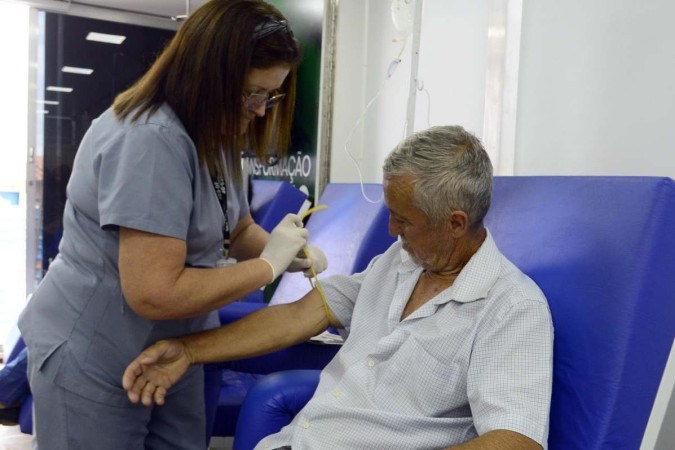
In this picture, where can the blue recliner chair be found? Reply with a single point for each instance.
(339, 231)
(13, 384)
(270, 201)
(602, 249)
(275, 389)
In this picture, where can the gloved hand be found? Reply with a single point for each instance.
(285, 241)
(316, 258)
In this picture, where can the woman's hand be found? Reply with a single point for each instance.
(149, 376)
(285, 242)
(317, 259)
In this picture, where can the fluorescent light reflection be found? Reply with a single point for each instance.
(106, 38)
(77, 70)
(59, 89)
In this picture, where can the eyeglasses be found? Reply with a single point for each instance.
(255, 100)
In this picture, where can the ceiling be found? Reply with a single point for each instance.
(154, 13)
(166, 8)
(159, 13)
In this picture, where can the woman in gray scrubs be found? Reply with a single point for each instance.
(155, 201)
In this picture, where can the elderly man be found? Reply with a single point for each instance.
(449, 344)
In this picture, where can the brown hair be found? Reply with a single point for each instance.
(201, 75)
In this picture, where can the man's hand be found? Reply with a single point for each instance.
(149, 376)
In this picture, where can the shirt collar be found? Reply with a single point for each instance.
(475, 279)
(479, 274)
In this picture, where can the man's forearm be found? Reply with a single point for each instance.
(266, 330)
(499, 440)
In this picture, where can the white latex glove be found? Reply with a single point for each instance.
(285, 241)
(316, 258)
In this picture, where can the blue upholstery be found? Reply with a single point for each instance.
(26, 416)
(273, 401)
(339, 231)
(238, 376)
(376, 240)
(25, 413)
(271, 200)
(603, 251)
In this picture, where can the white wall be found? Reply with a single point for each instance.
(594, 94)
(596, 90)
(452, 73)
(364, 50)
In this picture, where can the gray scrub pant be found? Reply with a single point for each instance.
(64, 420)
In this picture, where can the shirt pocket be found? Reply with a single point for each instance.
(414, 381)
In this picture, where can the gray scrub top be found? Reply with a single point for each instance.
(143, 175)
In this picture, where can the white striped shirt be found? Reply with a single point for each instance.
(475, 358)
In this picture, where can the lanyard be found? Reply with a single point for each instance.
(221, 192)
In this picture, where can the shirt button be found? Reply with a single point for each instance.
(337, 394)
(305, 425)
(371, 363)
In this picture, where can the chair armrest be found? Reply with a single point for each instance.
(26, 416)
(237, 310)
(306, 355)
(272, 403)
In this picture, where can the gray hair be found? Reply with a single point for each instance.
(452, 172)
